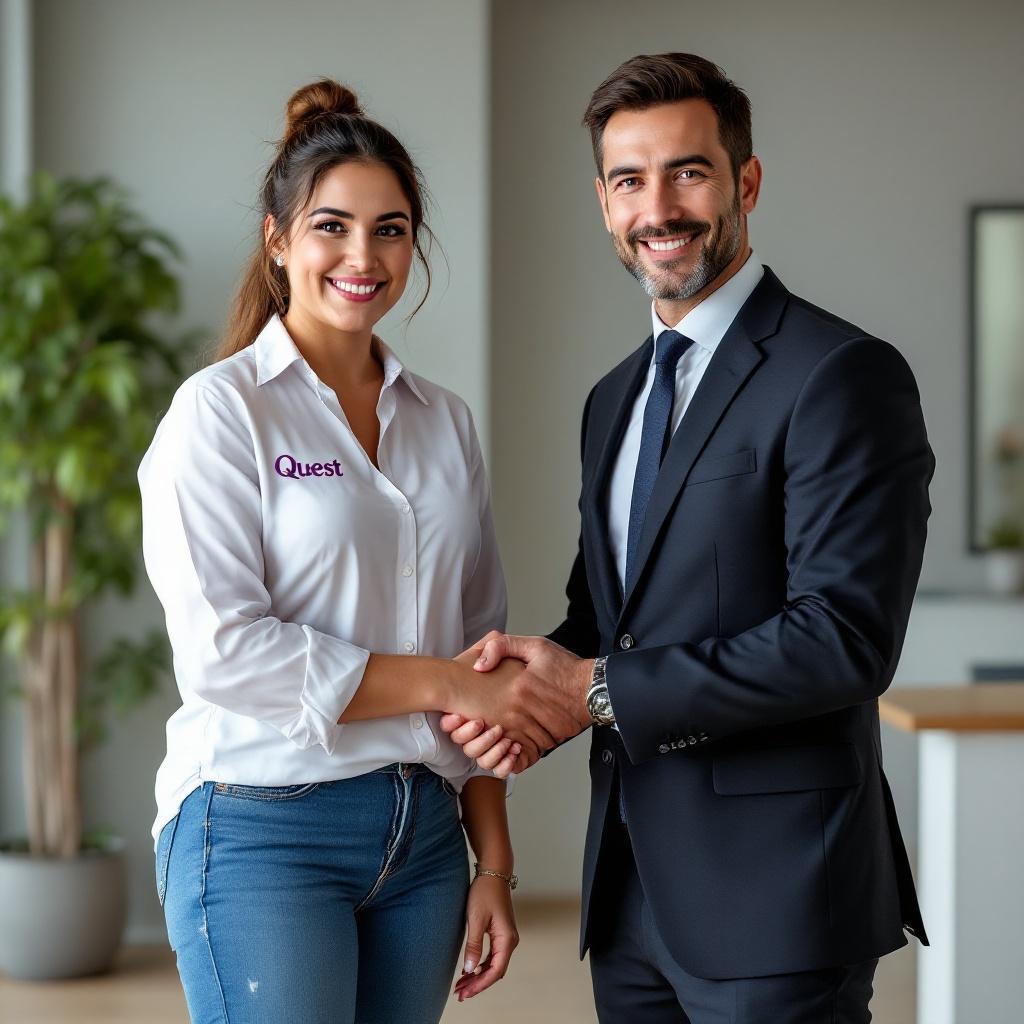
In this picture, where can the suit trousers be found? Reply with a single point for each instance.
(636, 980)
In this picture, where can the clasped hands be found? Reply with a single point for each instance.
(526, 696)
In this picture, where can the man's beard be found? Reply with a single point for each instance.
(717, 250)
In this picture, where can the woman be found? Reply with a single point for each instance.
(318, 530)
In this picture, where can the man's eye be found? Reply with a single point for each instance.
(689, 173)
(628, 182)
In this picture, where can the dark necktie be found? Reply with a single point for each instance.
(654, 437)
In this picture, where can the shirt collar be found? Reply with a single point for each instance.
(393, 369)
(274, 349)
(275, 352)
(707, 322)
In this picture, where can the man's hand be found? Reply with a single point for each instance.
(543, 703)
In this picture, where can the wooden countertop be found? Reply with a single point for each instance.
(985, 707)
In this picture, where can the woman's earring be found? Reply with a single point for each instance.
(279, 260)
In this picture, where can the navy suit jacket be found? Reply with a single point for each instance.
(773, 584)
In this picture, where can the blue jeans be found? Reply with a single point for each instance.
(325, 903)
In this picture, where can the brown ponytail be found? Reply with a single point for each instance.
(324, 127)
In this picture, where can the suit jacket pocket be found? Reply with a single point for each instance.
(720, 466)
(786, 770)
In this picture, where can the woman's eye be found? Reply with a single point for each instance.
(331, 227)
(392, 230)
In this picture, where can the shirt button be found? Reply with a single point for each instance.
(407, 570)
(626, 642)
(407, 509)
(417, 723)
(410, 646)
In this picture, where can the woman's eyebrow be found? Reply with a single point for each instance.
(345, 215)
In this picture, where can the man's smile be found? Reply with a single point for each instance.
(665, 249)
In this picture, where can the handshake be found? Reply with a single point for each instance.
(518, 698)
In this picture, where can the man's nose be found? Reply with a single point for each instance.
(662, 205)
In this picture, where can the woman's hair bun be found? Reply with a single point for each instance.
(325, 96)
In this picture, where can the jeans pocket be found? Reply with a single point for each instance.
(163, 857)
(265, 792)
(448, 787)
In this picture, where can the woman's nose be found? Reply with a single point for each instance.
(359, 253)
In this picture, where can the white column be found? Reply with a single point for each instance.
(15, 94)
(971, 876)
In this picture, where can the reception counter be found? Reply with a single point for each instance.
(970, 848)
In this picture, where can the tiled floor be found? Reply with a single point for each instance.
(546, 985)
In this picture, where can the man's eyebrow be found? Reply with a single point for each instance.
(618, 172)
(684, 161)
(671, 165)
(345, 215)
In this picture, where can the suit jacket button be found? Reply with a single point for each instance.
(664, 748)
(607, 756)
(626, 642)
(692, 740)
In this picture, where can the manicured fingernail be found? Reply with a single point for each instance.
(481, 661)
(516, 748)
(469, 965)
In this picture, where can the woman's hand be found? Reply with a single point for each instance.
(491, 748)
(488, 912)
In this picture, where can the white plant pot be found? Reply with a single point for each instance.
(1004, 570)
(61, 918)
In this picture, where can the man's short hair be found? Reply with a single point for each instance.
(652, 79)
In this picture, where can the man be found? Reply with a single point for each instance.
(753, 509)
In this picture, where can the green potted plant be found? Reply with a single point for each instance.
(1004, 559)
(85, 370)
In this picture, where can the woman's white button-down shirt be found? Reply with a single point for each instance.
(282, 558)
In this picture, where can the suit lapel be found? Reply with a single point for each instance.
(614, 412)
(735, 359)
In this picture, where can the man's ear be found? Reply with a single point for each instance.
(602, 198)
(750, 184)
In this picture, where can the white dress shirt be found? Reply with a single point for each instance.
(282, 558)
(706, 324)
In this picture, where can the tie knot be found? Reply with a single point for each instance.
(670, 346)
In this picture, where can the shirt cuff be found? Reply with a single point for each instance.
(334, 670)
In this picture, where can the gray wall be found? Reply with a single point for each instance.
(878, 124)
(176, 101)
(15, 93)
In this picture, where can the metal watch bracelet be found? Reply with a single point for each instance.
(599, 705)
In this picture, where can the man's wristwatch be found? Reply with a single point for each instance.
(599, 704)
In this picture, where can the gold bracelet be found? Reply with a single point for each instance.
(513, 880)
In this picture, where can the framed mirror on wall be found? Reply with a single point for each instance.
(996, 325)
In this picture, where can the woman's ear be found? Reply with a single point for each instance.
(269, 226)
